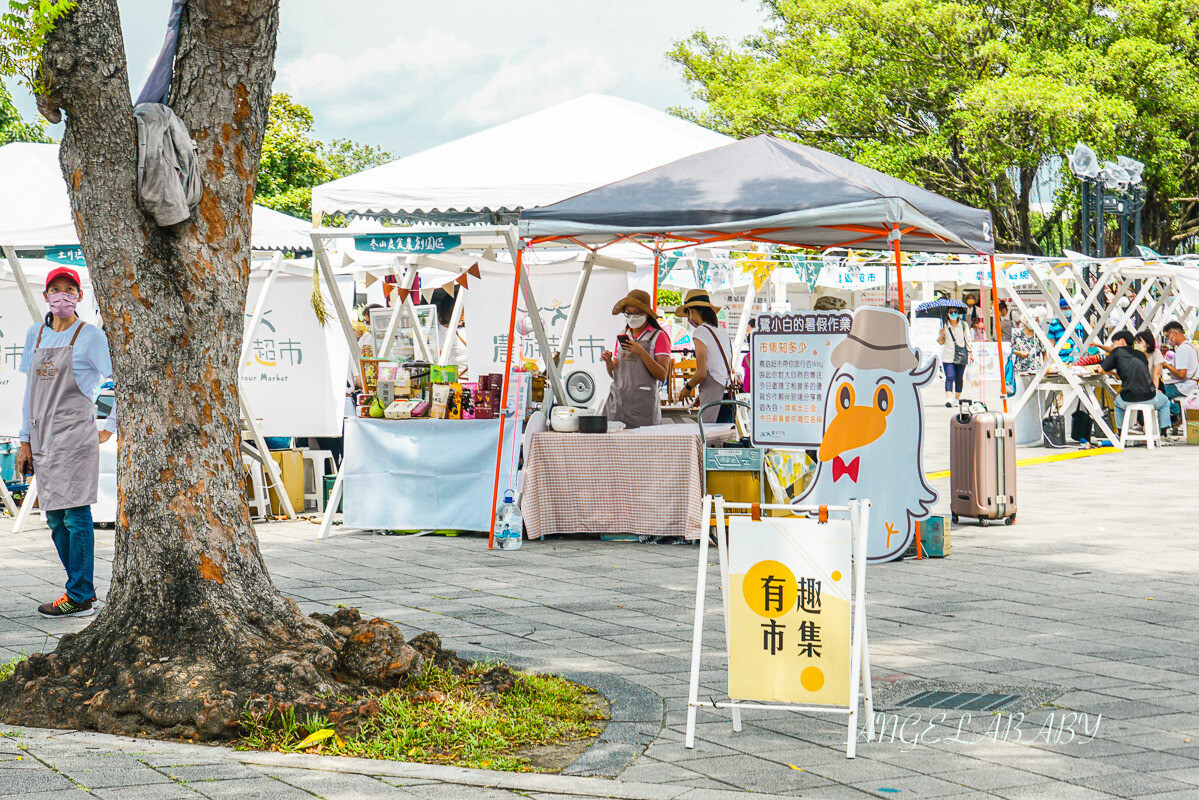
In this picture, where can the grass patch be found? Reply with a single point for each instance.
(7, 667)
(458, 726)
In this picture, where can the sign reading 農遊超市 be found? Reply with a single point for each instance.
(790, 590)
(407, 242)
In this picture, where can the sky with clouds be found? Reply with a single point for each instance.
(408, 75)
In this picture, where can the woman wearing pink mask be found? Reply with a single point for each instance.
(66, 360)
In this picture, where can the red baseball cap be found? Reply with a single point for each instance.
(63, 272)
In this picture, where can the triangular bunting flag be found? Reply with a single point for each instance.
(461, 280)
(403, 294)
(474, 271)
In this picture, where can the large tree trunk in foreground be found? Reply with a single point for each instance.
(193, 628)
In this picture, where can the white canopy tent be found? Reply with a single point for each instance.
(534, 160)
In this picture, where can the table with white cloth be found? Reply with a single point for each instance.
(423, 474)
(645, 481)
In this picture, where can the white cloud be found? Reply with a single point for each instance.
(537, 80)
(330, 74)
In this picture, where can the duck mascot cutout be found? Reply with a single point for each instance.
(872, 445)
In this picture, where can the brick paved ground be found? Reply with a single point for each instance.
(1089, 598)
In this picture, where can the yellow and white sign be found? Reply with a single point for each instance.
(790, 594)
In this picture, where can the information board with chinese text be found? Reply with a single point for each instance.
(791, 366)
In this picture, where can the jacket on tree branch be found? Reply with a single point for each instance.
(168, 173)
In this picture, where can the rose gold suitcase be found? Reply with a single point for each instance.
(982, 467)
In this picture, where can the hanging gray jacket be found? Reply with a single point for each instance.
(168, 172)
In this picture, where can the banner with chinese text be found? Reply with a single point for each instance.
(295, 376)
(791, 363)
(790, 592)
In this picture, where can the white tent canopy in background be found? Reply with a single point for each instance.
(538, 159)
(35, 211)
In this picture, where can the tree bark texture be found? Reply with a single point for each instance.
(193, 628)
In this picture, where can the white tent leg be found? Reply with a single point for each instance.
(14, 263)
(452, 328)
(274, 478)
(339, 305)
(751, 295)
(6, 496)
(551, 366)
(26, 506)
(576, 301)
(331, 503)
(259, 310)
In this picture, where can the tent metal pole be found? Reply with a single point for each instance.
(339, 306)
(518, 261)
(895, 237)
(452, 328)
(573, 318)
(23, 282)
(260, 309)
(998, 333)
(653, 301)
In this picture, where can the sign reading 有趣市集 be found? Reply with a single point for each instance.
(407, 242)
(791, 365)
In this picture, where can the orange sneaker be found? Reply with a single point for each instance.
(66, 607)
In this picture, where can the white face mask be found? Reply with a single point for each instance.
(635, 321)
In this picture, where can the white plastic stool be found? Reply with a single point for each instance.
(317, 464)
(1148, 421)
(260, 505)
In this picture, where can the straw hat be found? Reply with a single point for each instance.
(695, 299)
(638, 298)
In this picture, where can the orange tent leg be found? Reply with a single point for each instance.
(499, 450)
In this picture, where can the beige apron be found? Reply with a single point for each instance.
(633, 399)
(62, 430)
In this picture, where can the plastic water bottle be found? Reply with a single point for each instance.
(509, 525)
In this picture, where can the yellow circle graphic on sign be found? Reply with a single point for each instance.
(837, 575)
(811, 679)
(769, 588)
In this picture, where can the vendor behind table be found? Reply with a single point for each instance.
(637, 364)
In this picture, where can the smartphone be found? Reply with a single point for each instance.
(623, 338)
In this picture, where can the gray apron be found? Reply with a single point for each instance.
(62, 430)
(633, 399)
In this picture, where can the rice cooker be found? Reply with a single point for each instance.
(565, 419)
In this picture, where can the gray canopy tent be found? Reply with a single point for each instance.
(768, 190)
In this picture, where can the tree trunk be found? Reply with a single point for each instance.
(193, 629)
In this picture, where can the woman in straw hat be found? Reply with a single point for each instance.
(712, 353)
(639, 362)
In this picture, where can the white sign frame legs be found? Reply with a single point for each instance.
(860, 691)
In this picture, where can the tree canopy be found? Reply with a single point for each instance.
(293, 160)
(15, 129)
(973, 99)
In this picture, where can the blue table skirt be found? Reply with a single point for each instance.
(423, 473)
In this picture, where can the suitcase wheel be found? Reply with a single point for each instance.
(954, 517)
(1010, 520)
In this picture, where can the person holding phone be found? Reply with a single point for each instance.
(66, 360)
(640, 361)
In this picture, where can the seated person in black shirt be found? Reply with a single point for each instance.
(1132, 368)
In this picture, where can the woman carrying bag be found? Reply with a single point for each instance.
(714, 377)
(955, 354)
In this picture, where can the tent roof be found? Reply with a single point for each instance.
(788, 193)
(535, 160)
(36, 212)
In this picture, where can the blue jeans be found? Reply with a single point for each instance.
(75, 537)
(1172, 392)
(1160, 402)
(954, 375)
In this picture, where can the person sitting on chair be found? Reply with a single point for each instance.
(1179, 376)
(1132, 367)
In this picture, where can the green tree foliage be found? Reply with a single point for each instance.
(293, 160)
(15, 129)
(23, 31)
(972, 98)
